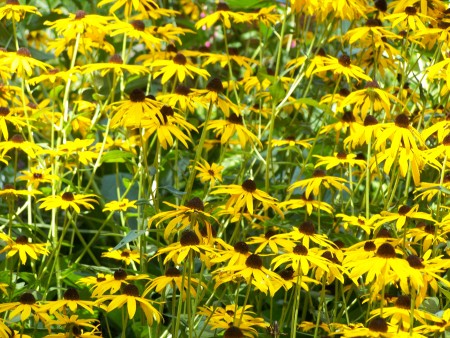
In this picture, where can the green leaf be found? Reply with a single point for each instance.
(131, 236)
(116, 156)
(277, 91)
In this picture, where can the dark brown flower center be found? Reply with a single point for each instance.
(172, 48)
(254, 261)
(344, 92)
(188, 238)
(348, 117)
(215, 85)
(300, 249)
(137, 95)
(386, 250)
(68, 196)
(138, 25)
(180, 59)
(221, 6)
(125, 254)
(249, 186)
(372, 84)
(120, 274)
(22, 240)
(172, 272)
(71, 294)
(378, 325)
(307, 228)
(12, 2)
(130, 290)
(370, 121)
(270, 233)
(402, 121)
(430, 229)
(116, 58)
(4, 111)
(373, 23)
(100, 279)
(344, 60)
(233, 332)
(319, 173)
(22, 51)
(383, 233)
(415, 262)
(235, 119)
(80, 15)
(403, 210)
(241, 247)
(17, 138)
(287, 274)
(410, 10)
(446, 140)
(182, 90)
(381, 5)
(369, 246)
(196, 203)
(341, 155)
(27, 298)
(403, 302)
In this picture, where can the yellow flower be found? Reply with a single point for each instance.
(14, 10)
(340, 159)
(23, 247)
(26, 306)
(233, 125)
(183, 97)
(6, 115)
(129, 113)
(22, 63)
(178, 66)
(209, 172)
(302, 259)
(79, 23)
(125, 255)
(136, 30)
(130, 297)
(122, 205)
(115, 65)
(343, 66)
(253, 271)
(364, 134)
(373, 29)
(71, 299)
(36, 176)
(223, 14)
(273, 240)
(68, 200)
(410, 18)
(404, 213)
(170, 124)
(319, 178)
(309, 202)
(173, 277)
(120, 278)
(56, 76)
(244, 196)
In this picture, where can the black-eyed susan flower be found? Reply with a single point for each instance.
(183, 98)
(17, 141)
(170, 125)
(112, 285)
(10, 193)
(179, 251)
(372, 29)
(358, 221)
(233, 255)
(364, 134)
(137, 31)
(400, 314)
(125, 255)
(129, 113)
(141, 6)
(253, 271)
(271, 239)
(22, 63)
(404, 213)
(411, 18)
(227, 316)
(301, 259)
(114, 65)
(8, 116)
(307, 202)
(12, 9)
(173, 278)
(340, 159)
(24, 247)
(79, 23)
(72, 322)
(290, 141)
(56, 76)
(343, 66)
(305, 233)
(35, 176)
(378, 327)
(71, 300)
(233, 55)
(179, 66)
(211, 173)
(122, 205)
(245, 195)
(131, 298)
(25, 307)
(400, 133)
(319, 178)
(234, 124)
(68, 200)
(223, 14)
(290, 278)
(192, 214)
